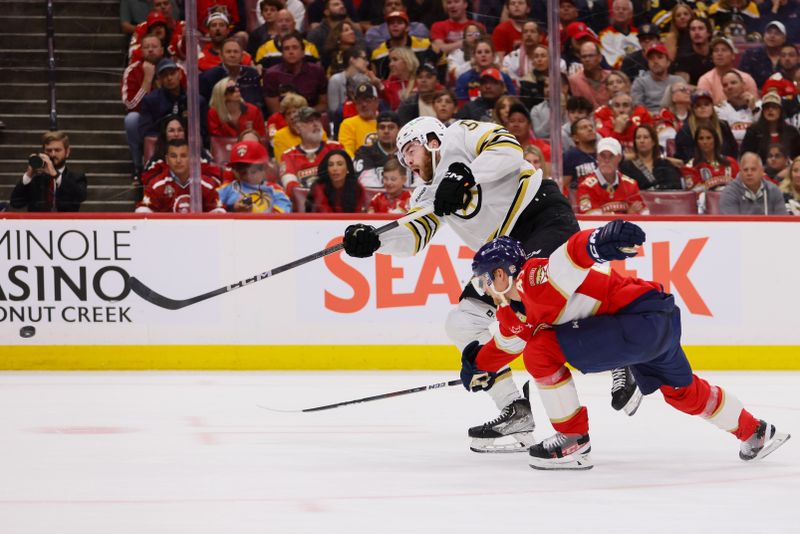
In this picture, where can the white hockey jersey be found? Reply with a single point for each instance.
(504, 185)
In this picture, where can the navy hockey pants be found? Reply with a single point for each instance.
(645, 336)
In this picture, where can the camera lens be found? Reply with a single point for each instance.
(35, 162)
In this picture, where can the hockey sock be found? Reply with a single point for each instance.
(713, 404)
(504, 391)
(560, 399)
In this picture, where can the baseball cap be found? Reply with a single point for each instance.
(427, 67)
(656, 48)
(248, 152)
(492, 73)
(308, 113)
(218, 15)
(366, 90)
(777, 24)
(156, 17)
(701, 93)
(649, 30)
(388, 116)
(579, 30)
(397, 15)
(776, 82)
(165, 64)
(771, 98)
(609, 144)
(725, 41)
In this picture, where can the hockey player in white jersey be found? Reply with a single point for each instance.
(475, 176)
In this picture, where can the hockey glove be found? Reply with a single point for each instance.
(472, 378)
(616, 240)
(361, 241)
(454, 193)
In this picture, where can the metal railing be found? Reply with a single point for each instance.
(51, 64)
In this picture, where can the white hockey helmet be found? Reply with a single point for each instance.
(418, 130)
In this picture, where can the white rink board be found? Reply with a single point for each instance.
(733, 280)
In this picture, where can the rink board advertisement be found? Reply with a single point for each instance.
(68, 279)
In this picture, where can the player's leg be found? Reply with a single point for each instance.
(468, 326)
(546, 224)
(569, 447)
(723, 410)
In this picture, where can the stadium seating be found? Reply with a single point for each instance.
(671, 202)
(299, 195)
(221, 149)
(148, 148)
(712, 202)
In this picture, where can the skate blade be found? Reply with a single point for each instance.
(520, 442)
(573, 462)
(633, 403)
(777, 440)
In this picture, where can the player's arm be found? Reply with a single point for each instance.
(361, 241)
(495, 150)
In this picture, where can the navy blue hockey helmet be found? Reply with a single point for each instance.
(501, 253)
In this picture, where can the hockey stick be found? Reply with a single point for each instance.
(369, 399)
(171, 304)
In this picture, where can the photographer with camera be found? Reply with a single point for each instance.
(47, 184)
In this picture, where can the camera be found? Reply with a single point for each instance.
(35, 161)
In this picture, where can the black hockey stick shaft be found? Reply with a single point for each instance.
(384, 396)
(172, 304)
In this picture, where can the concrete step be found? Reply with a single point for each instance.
(95, 152)
(37, 24)
(114, 169)
(63, 7)
(105, 179)
(64, 58)
(79, 137)
(21, 75)
(41, 123)
(66, 90)
(65, 106)
(76, 41)
(118, 206)
(98, 193)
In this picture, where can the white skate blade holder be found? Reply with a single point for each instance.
(633, 403)
(572, 462)
(518, 442)
(777, 440)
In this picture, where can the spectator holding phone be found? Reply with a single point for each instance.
(47, 184)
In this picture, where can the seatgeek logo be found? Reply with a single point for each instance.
(670, 266)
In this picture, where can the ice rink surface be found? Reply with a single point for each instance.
(192, 452)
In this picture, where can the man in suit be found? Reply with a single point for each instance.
(51, 186)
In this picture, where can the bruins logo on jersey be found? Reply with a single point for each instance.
(474, 205)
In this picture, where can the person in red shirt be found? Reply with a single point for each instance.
(623, 119)
(570, 303)
(507, 35)
(218, 32)
(159, 24)
(709, 169)
(447, 34)
(606, 190)
(300, 164)
(229, 115)
(170, 192)
(394, 199)
(337, 189)
(137, 81)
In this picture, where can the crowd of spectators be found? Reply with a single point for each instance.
(656, 96)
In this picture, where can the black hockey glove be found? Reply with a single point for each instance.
(616, 240)
(361, 241)
(454, 193)
(472, 378)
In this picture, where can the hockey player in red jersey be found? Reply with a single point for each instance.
(568, 309)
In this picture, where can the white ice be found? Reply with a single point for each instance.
(192, 453)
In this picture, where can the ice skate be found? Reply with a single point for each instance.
(763, 441)
(625, 394)
(511, 431)
(562, 451)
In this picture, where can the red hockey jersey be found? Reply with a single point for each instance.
(169, 195)
(595, 196)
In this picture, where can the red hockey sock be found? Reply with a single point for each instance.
(747, 425)
(714, 404)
